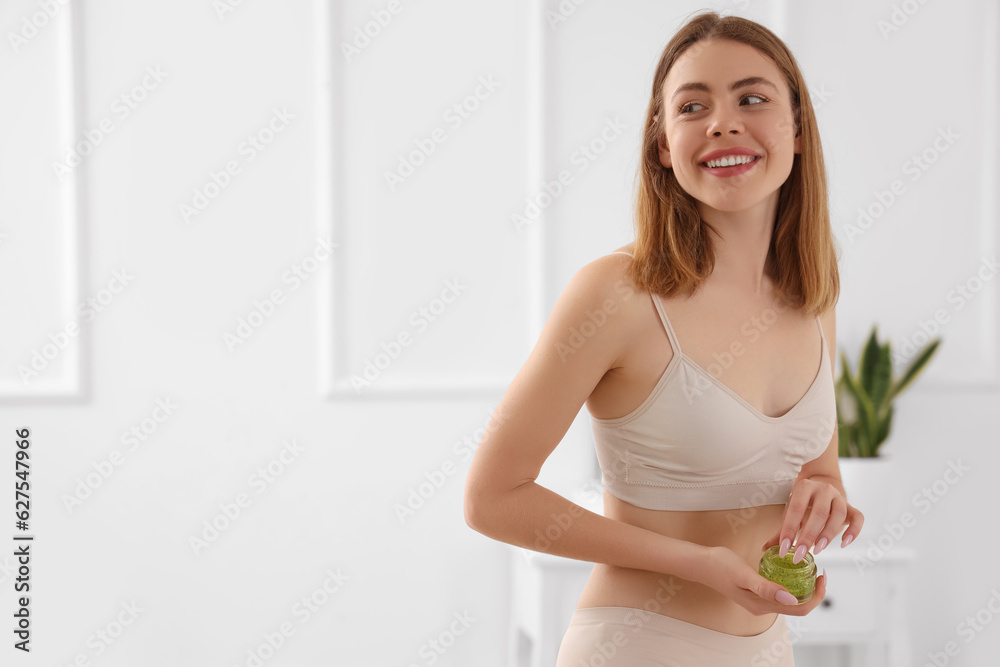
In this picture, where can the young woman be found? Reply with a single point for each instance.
(708, 376)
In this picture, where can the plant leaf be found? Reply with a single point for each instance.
(883, 432)
(868, 359)
(847, 429)
(866, 428)
(843, 437)
(847, 440)
(881, 380)
(846, 411)
(915, 368)
(867, 421)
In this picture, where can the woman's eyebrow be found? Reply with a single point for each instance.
(735, 85)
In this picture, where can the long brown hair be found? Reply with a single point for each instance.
(673, 251)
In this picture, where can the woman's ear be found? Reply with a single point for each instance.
(661, 142)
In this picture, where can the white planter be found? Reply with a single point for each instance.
(869, 484)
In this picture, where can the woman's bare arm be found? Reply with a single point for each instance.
(502, 499)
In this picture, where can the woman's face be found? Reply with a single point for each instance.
(703, 114)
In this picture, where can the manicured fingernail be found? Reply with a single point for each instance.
(847, 540)
(785, 546)
(800, 552)
(784, 597)
(820, 545)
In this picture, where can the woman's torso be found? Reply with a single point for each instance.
(772, 373)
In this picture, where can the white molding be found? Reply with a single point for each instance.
(328, 209)
(334, 380)
(68, 24)
(990, 176)
(537, 150)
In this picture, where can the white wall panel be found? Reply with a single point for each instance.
(48, 310)
(431, 117)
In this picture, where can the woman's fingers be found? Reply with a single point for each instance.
(768, 590)
(769, 597)
(826, 519)
(855, 520)
(795, 510)
(817, 599)
(802, 609)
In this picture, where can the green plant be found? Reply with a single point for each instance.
(864, 400)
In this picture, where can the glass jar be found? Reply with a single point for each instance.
(799, 578)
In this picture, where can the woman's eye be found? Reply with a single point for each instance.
(688, 108)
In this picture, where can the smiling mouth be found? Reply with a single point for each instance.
(731, 161)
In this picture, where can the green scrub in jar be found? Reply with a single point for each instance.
(799, 578)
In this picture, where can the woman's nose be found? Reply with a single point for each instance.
(724, 122)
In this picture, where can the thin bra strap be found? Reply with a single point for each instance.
(663, 316)
(822, 336)
(666, 324)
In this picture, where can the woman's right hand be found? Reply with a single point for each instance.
(728, 573)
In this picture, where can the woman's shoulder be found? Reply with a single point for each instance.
(616, 261)
(612, 267)
(626, 249)
(606, 277)
(613, 286)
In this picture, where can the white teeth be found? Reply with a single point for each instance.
(731, 160)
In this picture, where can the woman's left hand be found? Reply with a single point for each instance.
(815, 514)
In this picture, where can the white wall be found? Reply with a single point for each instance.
(333, 508)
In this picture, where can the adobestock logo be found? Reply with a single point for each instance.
(562, 12)
(435, 647)
(898, 17)
(959, 296)
(365, 34)
(265, 308)
(121, 108)
(778, 650)
(924, 500)
(418, 495)
(752, 330)
(88, 310)
(101, 639)
(455, 117)
(578, 336)
(229, 511)
(590, 492)
(421, 320)
(581, 158)
(132, 438)
(31, 27)
(968, 629)
(914, 167)
(218, 181)
(604, 652)
(225, 7)
(303, 609)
